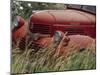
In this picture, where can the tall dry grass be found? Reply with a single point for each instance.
(44, 60)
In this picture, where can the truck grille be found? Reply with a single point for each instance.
(75, 31)
(45, 29)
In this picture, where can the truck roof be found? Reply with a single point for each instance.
(69, 16)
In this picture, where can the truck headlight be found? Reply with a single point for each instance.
(16, 21)
(58, 36)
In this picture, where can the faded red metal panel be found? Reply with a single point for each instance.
(42, 17)
(63, 17)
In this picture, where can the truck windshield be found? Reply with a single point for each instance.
(87, 8)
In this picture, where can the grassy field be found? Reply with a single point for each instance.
(45, 60)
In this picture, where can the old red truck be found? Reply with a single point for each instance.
(47, 22)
